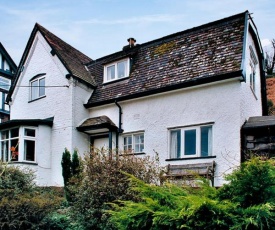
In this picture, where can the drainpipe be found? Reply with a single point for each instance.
(120, 130)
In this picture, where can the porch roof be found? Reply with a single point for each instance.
(31, 122)
(100, 124)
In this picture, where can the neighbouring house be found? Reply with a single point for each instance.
(184, 96)
(7, 72)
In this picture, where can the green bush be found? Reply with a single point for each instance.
(103, 182)
(22, 204)
(246, 202)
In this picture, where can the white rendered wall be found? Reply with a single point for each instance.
(251, 103)
(218, 103)
(58, 103)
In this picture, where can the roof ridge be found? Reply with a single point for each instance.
(196, 28)
(43, 29)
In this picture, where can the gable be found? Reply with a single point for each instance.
(211, 52)
(7, 65)
(72, 59)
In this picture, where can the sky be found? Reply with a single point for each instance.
(101, 27)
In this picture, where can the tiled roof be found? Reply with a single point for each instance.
(213, 50)
(73, 59)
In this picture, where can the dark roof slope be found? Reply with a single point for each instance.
(202, 54)
(73, 59)
(9, 74)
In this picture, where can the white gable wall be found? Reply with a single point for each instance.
(251, 101)
(218, 103)
(57, 104)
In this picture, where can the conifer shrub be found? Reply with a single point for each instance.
(246, 202)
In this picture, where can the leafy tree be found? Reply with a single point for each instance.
(270, 59)
(103, 182)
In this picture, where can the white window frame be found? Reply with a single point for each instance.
(253, 67)
(197, 144)
(20, 146)
(5, 83)
(133, 139)
(115, 64)
(39, 93)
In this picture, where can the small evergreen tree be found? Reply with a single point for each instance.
(75, 165)
(66, 166)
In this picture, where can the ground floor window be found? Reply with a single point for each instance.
(191, 142)
(134, 143)
(18, 144)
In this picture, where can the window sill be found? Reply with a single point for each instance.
(37, 99)
(115, 80)
(189, 158)
(132, 154)
(23, 162)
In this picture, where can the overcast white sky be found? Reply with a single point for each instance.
(101, 27)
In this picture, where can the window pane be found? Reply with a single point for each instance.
(5, 151)
(5, 83)
(175, 144)
(29, 150)
(121, 69)
(111, 72)
(190, 142)
(139, 143)
(206, 141)
(14, 144)
(4, 134)
(128, 143)
(34, 90)
(6, 106)
(14, 132)
(41, 87)
(30, 132)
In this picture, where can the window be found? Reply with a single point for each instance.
(37, 88)
(134, 143)
(253, 65)
(18, 144)
(3, 105)
(116, 70)
(191, 142)
(5, 83)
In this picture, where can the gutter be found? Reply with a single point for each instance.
(186, 84)
(119, 130)
(243, 65)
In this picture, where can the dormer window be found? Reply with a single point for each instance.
(116, 70)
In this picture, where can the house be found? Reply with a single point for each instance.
(7, 71)
(184, 96)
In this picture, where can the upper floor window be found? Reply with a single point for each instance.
(253, 65)
(191, 142)
(5, 83)
(37, 87)
(116, 70)
(3, 105)
(134, 143)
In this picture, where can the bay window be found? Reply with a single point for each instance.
(191, 142)
(18, 144)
